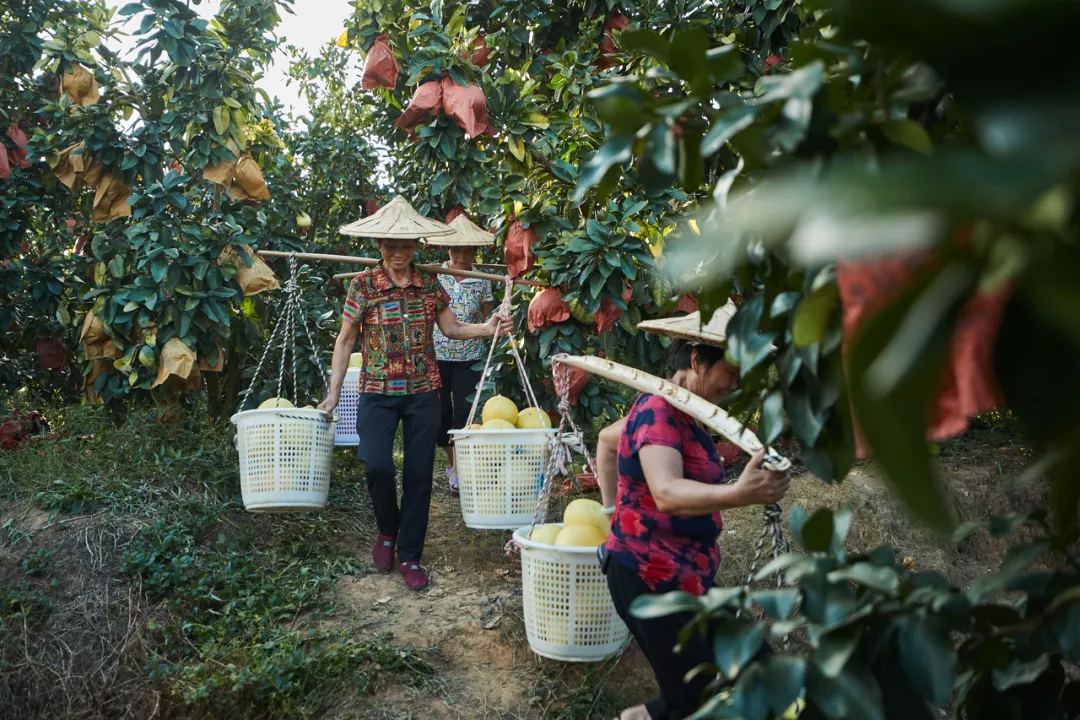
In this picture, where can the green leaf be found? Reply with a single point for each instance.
(647, 607)
(777, 603)
(772, 417)
(784, 680)
(928, 657)
(726, 127)
(854, 693)
(817, 533)
(1020, 672)
(811, 321)
(882, 579)
(222, 119)
(909, 134)
(647, 42)
(735, 643)
(116, 266)
(441, 182)
(834, 650)
(615, 152)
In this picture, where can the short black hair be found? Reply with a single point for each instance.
(683, 355)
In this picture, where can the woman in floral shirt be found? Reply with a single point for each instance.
(667, 521)
(471, 300)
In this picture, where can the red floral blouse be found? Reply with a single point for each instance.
(396, 331)
(668, 552)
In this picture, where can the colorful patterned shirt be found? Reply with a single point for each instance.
(396, 331)
(467, 297)
(668, 552)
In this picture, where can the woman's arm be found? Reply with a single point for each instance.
(607, 462)
(675, 495)
(339, 365)
(455, 329)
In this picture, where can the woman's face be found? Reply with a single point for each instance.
(714, 383)
(462, 256)
(397, 254)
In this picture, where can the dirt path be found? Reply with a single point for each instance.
(469, 626)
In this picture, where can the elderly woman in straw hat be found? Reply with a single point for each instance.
(471, 299)
(669, 493)
(393, 309)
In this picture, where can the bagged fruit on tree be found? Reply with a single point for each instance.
(93, 174)
(518, 249)
(455, 212)
(97, 345)
(381, 67)
(222, 170)
(18, 155)
(252, 279)
(81, 85)
(425, 105)
(250, 180)
(177, 361)
(547, 307)
(499, 408)
(110, 200)
(616, 23)
(97, 369)
(466, 106)
(609, 313)
(481, 53)
(5, 166)
(70, 165)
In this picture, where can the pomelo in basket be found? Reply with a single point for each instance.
(497, 424)
(356, 360)
(476, 426)
(533, 419)
(500, 408)
(545, 534)
(275, 402)
(587, 512)
(580, 536)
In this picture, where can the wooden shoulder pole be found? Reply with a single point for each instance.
(437, 269)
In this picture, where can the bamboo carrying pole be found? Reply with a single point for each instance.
(438, 269)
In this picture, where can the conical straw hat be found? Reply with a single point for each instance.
(689, 327)
(466, 234)
(690, 403)
(397, 219)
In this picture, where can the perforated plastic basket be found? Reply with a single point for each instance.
(499, 475)
(284, 458)
(345, 431)
(569, 614)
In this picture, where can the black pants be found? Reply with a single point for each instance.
(657, 639)
(377, 418)
(458, 384)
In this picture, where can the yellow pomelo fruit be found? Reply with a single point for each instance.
(580, 536)
(497, 424)
(275, 403)
(476, 426)
(587, 512)
(500, 408)
(309, 407)
(533, 419)
(356, 360)
(545, 534)
(793, 712)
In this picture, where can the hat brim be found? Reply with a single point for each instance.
(689, 327)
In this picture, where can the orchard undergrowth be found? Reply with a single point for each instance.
(144, 565)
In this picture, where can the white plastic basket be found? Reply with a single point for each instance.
(285, 458)
(569, 614)
(499, 475)
(345, 434)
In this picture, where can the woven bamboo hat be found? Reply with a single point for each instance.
(397, 219)
(466, 234)
(689, 327)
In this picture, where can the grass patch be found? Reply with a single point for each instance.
(146, 588)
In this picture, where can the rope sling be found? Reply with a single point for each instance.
(285, 329)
